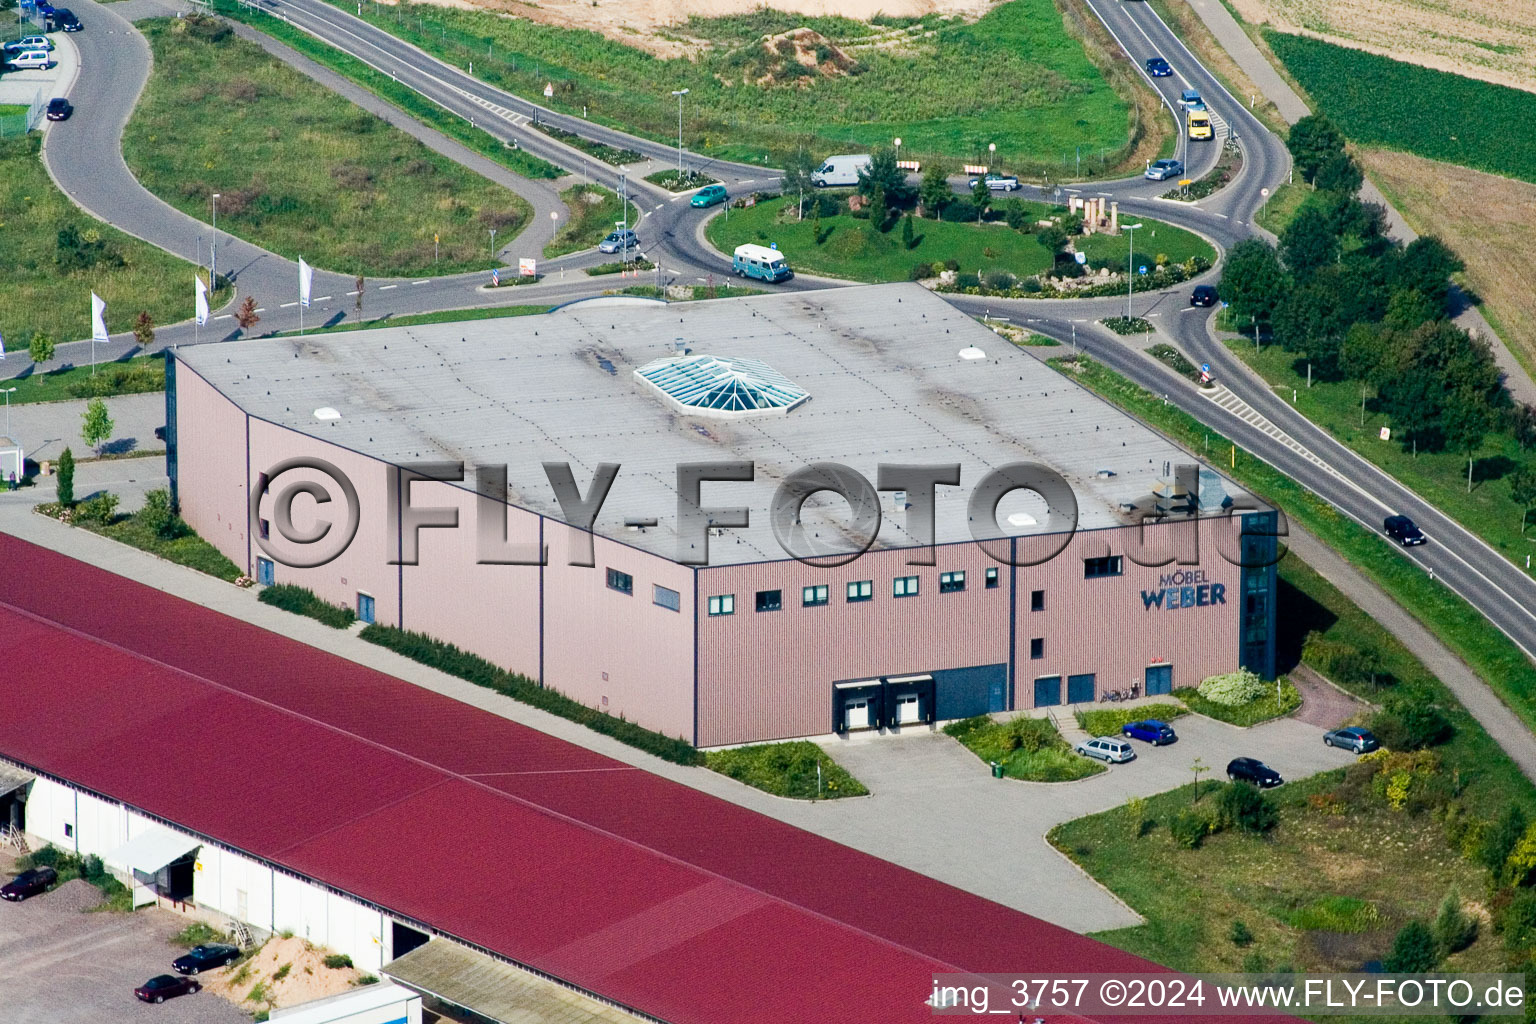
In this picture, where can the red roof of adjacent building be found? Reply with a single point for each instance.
(628, 885)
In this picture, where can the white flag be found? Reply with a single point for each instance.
(98, 325)
(2, 348)
(306, 276)
(202, 301)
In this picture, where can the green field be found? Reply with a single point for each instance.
(589, 221)
(445, 316)
(1155, 243)
(1377, 101)
(1025, 748)
(1015, 78)
(1321, 856)
(300, 171)
(850, 248)
(39, 295)
(786, 769)
(121, 377)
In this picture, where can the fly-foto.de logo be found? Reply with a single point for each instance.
(1184, 589)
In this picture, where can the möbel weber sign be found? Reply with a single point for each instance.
(1187, 588)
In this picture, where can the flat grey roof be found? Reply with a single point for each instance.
(881, 364)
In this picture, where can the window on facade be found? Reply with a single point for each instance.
(623, 582)
(770, 600)
(861, 590)
(814, 595)
(722, 604)
(69, 830)
(949, 582)
(670, 599)
(1037, 647)
(1110, 565)
(904, 586)
(1037, 600)
(991, 578)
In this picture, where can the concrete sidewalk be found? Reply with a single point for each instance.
(45, 429)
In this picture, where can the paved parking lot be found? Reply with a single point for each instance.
(60, 964)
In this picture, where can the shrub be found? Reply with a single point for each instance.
(337, 961)
(66, 478)
(1499, 839)
(960, 211)
(47, 857)
(1404, 780)
(1232, 688)
(998, 279)
(92, 869)
(1454, 928)
(100, 509)
(1413, 950)
(456, 662)
(786, 769)
(1254, 963)
(1405, 726)
(1136, 813)
(920, 271)
(1239, 934)
(1189, 829)
(197, 933)
(158, 515)
(303, 601)
(1245, 808)
(964, 281)
(1517, 917)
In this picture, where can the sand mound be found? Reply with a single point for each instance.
(797, 56)
(284, 972)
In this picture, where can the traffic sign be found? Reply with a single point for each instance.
(773, 245)
(1143, 268)
(1205, 373)
(1081, 257)
(549, 90)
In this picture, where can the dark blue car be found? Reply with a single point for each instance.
(1149, 730)
(1159, 68)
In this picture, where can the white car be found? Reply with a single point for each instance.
(999, 182)
(1107, 748)
(29, 43)
(30, 60)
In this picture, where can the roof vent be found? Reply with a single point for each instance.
(325, 412)
(972, 352)
(705, 385)
(1104, 474)
(1022, 519)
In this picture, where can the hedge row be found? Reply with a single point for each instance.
(303, 601)
(445, 657)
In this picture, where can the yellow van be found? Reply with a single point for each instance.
(1199, 120)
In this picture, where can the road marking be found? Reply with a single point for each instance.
(1154, 314)
(1190, 309)
(352, 293)
(387, 287)
(287, 304)
(259, 309)
(425, 281)
(324, 298)
(1105, 194)
(1222, 216)
(672, 200)
(225, 316)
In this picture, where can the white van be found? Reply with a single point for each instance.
(841, 170)
(30, 59)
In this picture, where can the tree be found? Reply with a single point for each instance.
(65, 484)
(1466, 421)
(1413, 951)
(878, 214)
(246, 316)
(1500, 838)
(1199, 768)
(1243, 807)
(816, 223)
(40, 348)
(96, 425)
(1053, 238)
(906, 232)
(1425, 266)
(144, 329)
(1312, 141)
(1454, 928)
(882, 173)
(935, 188)
(359, 293)
(797, 178)
(1522, 488)
(1253, 282)
(1414, 401)
(157, 513)
(1339, 174)
(1308, 243)
(981, 197)
(1523, 423)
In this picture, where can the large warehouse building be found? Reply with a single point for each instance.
(751, 644)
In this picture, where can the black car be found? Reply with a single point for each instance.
(1159, 68)
(1403, 530)
(163, 986)
(1248, 769)
(205, 958)
(59, 109)
(28, 883)
(65, 20)
(1203, 295)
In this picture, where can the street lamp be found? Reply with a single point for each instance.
(493, 243)
(991, 154)
(679, 93)
(898, 147)
(1130, 269)
(213, 249)
(8, 411)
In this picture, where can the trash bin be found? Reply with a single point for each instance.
(997, 770)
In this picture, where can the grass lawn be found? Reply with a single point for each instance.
(13, 109)
(1271, 705)
(1109, 721)
(303, 601)
(724, 290)
(300, 171)
(136, 376)
(188, 549)
(1491, 654)
(1282, 206)
(1156, 241)
(1016, 77)
(595, 211)
(786, 769)
(1439, 477)
(519, 161)
(444, 316)
(38, 296)
(674, 182)
(1321, 890)
(1027, 748)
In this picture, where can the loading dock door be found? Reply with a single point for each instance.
(909, 700)
(857, 704)
(907, 709)
(1080, 689)
(1047, 691)
(1159, 679)
(856, 714)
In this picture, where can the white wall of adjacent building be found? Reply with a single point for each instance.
(224, 881)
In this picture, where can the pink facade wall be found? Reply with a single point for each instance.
(769, 675)
(492, 610)
(601, 644)
(210, 446)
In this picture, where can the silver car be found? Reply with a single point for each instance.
(1107, 748)
(618, 241)
(1161, 170)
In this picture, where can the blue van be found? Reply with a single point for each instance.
(760, 262)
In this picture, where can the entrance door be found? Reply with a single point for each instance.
(242, 911)
(857, 714)
(266, 571)
(906, 709)
(1047, 691)
(1080, 689)
(997, 692)
(1159, 679)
